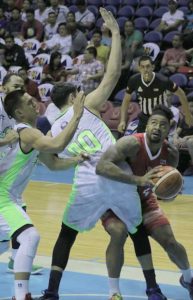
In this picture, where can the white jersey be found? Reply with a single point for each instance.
(5, 124)
(17, 172)
(93, 195)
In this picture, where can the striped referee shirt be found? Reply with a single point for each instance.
(152, 93)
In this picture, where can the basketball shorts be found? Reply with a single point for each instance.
(12, 217)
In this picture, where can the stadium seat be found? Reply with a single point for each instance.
(41, 60)
(45, 91)
(151, 3)
(168, 37)
(152, 49)
(119, 96)
(158, 13)
(112, 2)
(31, 46)
(126, 11)
(14, 69)
(154, 24)
(94, 10)
(183, 3)
(35, 74)
(97, 3)
(144, 11)
(141, 24)
(112, 9)
(73, 8)
(134, 3)
(153, 37)
(121, 22)
(162, 3)
(180, 79)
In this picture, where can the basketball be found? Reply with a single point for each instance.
(170, 183)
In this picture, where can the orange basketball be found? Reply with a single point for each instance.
(170, 183)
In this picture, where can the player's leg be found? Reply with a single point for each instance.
(143, 252)
(60, 258)
(176, 252)
(15, 246)
(19, 226)
(115, 251)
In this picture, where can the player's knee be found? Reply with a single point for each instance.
(4, 246)
(169, 243)
(67, 233)
(29, 240)
(117, 230)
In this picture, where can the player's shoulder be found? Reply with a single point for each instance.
(135, 77)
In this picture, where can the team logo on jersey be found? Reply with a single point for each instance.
(140, 89)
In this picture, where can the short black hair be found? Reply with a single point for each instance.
(144, 58)
(163, 111)
(12, 101)
(61, 92)
(92, 50)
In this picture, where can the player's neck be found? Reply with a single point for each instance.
(153, 147)
(65, 107)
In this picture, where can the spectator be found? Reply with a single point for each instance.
(183, 134)
(52, 26)
(173, 19)
(102, 50)
(2, 56)
(174, 57)
(84, 17)
(41, 13)
(79, 41)
(15, 24)
(106, 36)
(3, 23)
(10, 5)
(30, 86)
(60, 10)
(188, 27)
(25, 6)
(14, 54)
(32, 28)
(89, 72)
(61, 41)
(54, 71)
(133, 42)
(176, 116)
(70, 17)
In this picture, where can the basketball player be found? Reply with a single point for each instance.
(143, 152)
(14, 221)
(151, 90)
(92, 196)
(8, 135)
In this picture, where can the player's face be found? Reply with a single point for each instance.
(157, 129)
(28, 108)
(15, 83)
(146, 70)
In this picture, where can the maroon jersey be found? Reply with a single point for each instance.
(144, 162)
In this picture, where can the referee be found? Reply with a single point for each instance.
(151, 91)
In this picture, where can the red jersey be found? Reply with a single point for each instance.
(144, 162)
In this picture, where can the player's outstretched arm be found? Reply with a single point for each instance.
(54, 163)
(95, 99)
(33, 138)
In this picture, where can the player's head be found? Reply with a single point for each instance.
(63, 94)
(21, 106)
(12, 82)
(146, 67)
(158, 125)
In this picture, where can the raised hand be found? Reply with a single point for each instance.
(79, 104)
(109, 20)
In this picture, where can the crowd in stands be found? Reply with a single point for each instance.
(50, 41)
